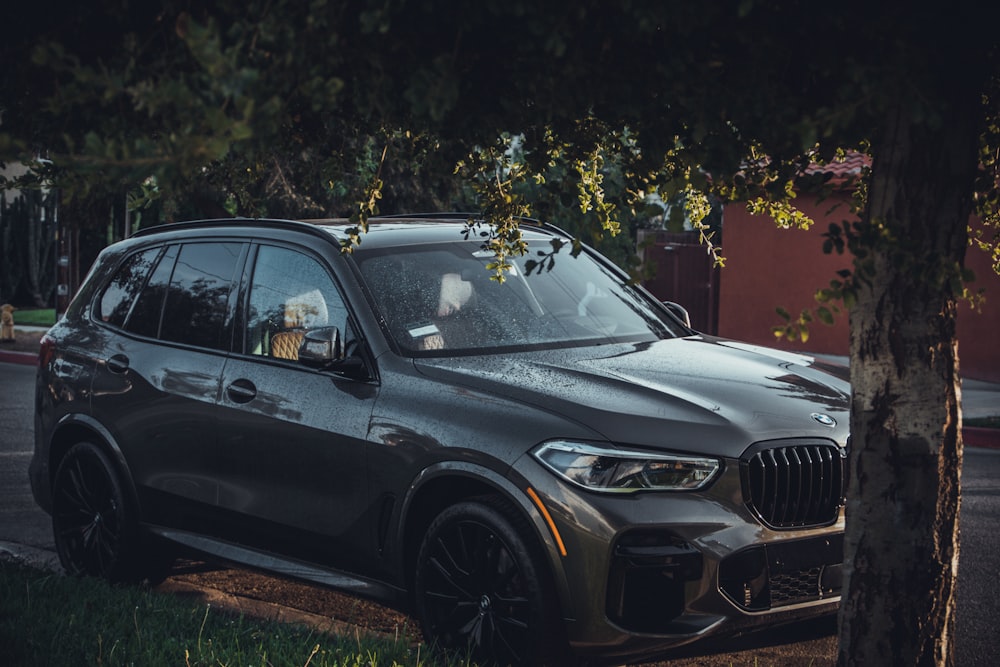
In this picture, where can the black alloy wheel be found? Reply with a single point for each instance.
(94, 532)
(481, 592)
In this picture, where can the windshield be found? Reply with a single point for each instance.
(439, 299)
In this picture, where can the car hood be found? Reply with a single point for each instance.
(695, 394)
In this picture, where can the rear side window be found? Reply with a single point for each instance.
(145, 317)
(197, 306)
(179, 294)
(118, 296)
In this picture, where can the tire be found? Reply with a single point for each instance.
(482, 592)
(95, 529)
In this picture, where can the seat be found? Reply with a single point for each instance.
(285, 344)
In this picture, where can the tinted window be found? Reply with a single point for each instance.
(198, 298)
(290, 293)
(145, 317)
(124, 286)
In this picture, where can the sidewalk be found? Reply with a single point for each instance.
(979, 400)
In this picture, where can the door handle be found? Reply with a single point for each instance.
(241, 391)
(117, 364)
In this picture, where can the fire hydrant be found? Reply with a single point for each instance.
(7, 323)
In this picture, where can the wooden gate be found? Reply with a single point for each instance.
(683, 273)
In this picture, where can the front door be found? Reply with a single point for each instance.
(292, 439)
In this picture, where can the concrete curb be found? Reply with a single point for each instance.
(48, 561)
(271, 612)
(988, 438)
(24, 358)
(40, 559)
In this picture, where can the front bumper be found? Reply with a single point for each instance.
(647, 572)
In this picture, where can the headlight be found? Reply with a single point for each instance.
(625, 470)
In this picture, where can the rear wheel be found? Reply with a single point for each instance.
(481, 591)
(95, 530)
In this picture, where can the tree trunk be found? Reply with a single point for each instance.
(901, 552)
(36, 229)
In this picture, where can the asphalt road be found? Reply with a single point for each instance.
(21, 522)
(20, 519)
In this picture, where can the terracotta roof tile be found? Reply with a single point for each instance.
(841, 171)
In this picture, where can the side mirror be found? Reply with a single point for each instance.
(324, 348)
(679, 311)
(321, 347)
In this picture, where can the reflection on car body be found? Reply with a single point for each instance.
(542, 469)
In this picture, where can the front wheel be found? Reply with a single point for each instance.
(95, 531)
(481, 591)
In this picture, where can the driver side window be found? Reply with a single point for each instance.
(290, 294)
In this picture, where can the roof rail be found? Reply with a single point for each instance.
(221, 222)
(305, 224)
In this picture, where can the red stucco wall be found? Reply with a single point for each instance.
(767, 267)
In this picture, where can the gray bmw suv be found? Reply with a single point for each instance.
(542, 469)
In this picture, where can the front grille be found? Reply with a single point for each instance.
(794, 485)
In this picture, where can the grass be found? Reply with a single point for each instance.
(41, 317)
(53, 620)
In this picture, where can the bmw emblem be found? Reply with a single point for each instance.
(825, 420)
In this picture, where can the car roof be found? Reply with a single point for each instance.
(383, 231)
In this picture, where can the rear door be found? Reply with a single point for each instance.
(167, 326)
(291, 438)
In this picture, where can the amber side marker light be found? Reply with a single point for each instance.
(548, 519)
(46, 350)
